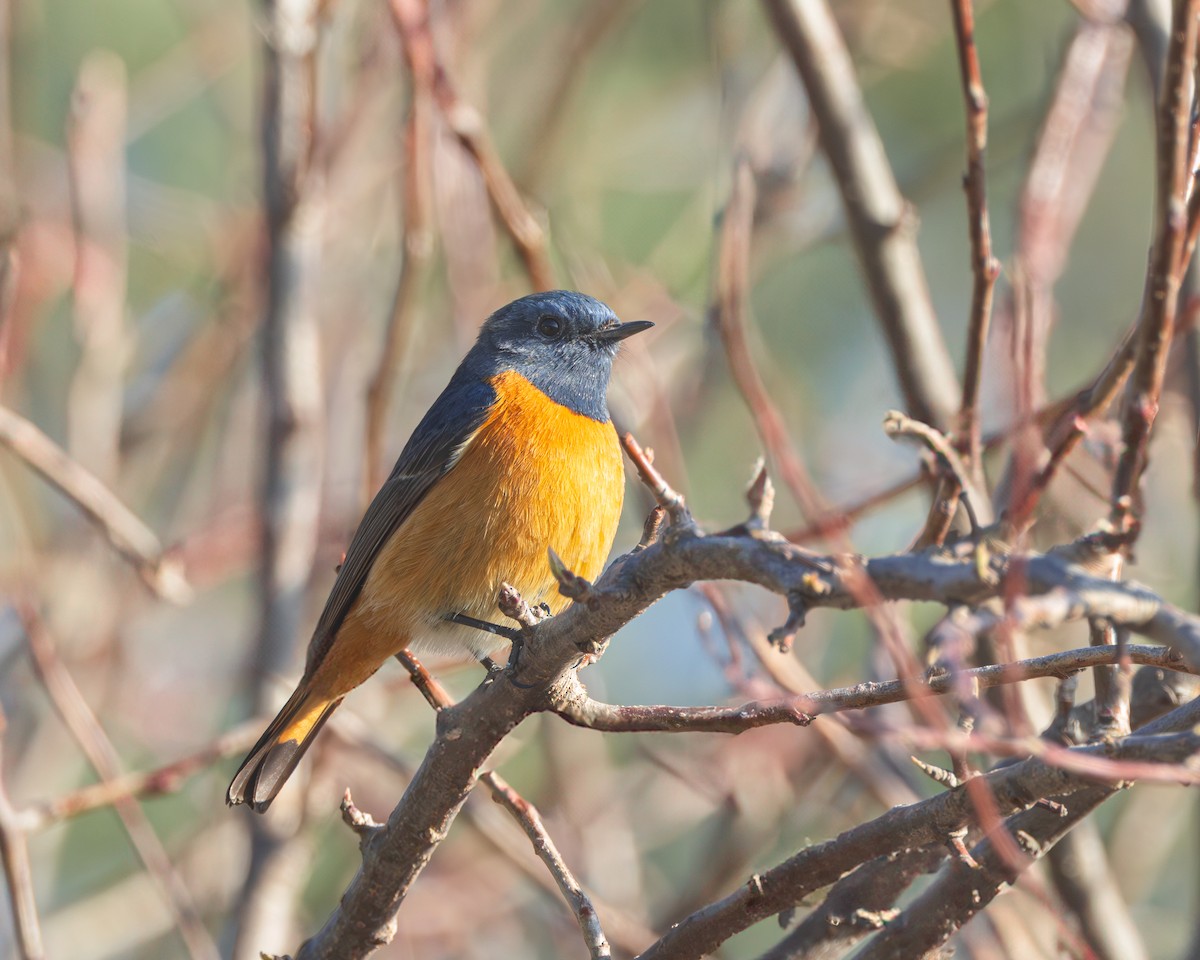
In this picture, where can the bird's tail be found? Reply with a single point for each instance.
(267, 767)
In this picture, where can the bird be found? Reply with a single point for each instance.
(517, 456)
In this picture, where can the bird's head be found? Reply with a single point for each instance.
(560, 341)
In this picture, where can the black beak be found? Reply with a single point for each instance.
(622, 330)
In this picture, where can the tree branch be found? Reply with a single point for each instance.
(1015, 788)
(881, 224)
(984, 266)
(131, 538)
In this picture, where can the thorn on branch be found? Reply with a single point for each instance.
(570, 584)
(651, 528)
(1053, 806)
(937, 774)
(761, 497)
(782, 637)
(361, 822)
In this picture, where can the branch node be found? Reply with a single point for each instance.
(361, 822)
(937, 774)
(651, 528)
(666, 497)
(782, 637)
(570, 585)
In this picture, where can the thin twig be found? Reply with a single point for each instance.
(131, 538)
(418, 251)
(96, 165)
(803, 708)
(1157, 322)
(469, 126)
(729, 316)
(984, 266)
(527, 816)
(143, 783)
(974, 500)
(14, 853)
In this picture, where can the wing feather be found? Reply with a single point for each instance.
(435, 446)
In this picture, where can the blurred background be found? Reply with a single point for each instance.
(135, 291)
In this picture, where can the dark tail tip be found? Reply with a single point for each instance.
(268, 766)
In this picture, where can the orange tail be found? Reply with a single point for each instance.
(267, 767)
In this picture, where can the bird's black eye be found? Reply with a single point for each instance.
(550, 327)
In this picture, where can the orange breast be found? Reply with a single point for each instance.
(535, 475)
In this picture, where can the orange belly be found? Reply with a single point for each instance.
(535, 475)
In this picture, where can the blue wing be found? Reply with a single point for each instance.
(431, 451)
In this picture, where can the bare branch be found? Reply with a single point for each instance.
(984, 266)
(1156, 324)
(1015, 788)
(729, 315)
(468, 125)
(146, 783)
(86, 729)
(527, 815)
(131, 538)
(573, 704)
(882, 227)
(294, 454)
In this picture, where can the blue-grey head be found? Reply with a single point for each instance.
(562, 342)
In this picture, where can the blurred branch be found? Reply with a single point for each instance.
(594, 25)
(469, 126)
(14, 852)
(1076, 135)
(144, 783)
(102, 755)
(729, 315)
(293, 198)
(881, 224)
(1085, 881)
(418, 250)
(96, 165)
(985, 267)
(131, 538)
(1156, 324)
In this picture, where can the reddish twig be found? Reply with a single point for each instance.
(418, 251)
(984, 266)
(729, 316)
(1156, 324)
(144, 783)
(468, 125)
(96, 167)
